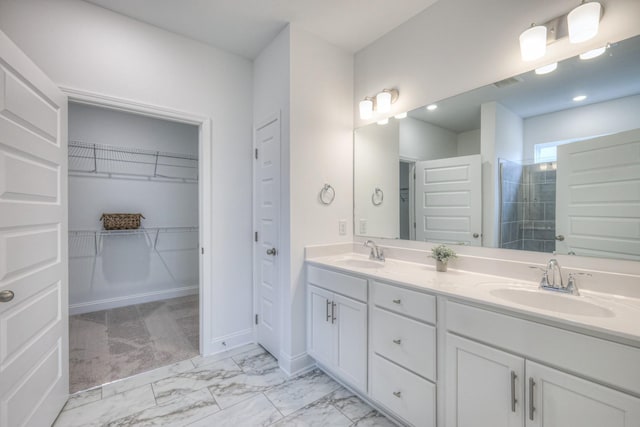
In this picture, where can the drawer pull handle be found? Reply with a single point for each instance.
(397, 394)
(513, 391)
(532, 408)
(397, 301)
(328, 315)
(398, 341)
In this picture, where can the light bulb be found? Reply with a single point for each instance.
(383, 121)
(547, 69)
(366, 109)
(583, 22)
(432, 107)
(593, 53)
(579, 98)
(401, 115)
(383, 102)
(533, 43)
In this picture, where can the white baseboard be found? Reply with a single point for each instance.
(228, 342)
(106, 304)
(293, 365)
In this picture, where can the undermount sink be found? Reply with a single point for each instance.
(360, 263)
(546, 300)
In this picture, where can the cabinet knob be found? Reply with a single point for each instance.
(397, 394)
(272, 252)
(397, 301)
(6, 295)
(398, 341)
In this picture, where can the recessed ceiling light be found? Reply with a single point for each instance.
(579, 98)
(594, 53)
(383, 121)
(401, 115)
(547, 69)
(432, 107)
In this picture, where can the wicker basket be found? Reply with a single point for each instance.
(120, 221)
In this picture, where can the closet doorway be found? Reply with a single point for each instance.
(134, 291)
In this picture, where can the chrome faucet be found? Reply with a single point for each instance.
(552, 279)
(376, 252)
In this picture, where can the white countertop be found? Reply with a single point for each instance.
(622, 326)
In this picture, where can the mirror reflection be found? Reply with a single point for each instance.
(541, 162)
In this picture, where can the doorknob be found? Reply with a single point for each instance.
(476, 235)
(560, 237)
(6, 295)
(272, 251)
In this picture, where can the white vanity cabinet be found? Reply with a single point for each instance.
(403, 352)
(492, 387)
(337, 324)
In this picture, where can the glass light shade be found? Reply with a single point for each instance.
(583, 22)
(401, 115)
(366, 109)
(547, 69)
(383, 121)
(533, 43)
(383, 102)
(593, 53)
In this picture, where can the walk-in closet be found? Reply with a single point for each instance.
(133, 244)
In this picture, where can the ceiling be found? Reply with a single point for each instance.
(245, 27)
(613, 75)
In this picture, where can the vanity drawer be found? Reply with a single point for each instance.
(350, 286)
(404, 301)
(405, 341)
(403, 393)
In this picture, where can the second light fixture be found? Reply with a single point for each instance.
(381, 103)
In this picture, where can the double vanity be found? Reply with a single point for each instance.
(466, 349)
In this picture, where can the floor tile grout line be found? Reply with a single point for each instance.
(282, 416)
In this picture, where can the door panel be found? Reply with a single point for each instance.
(351, 346)
(598, 196)
(562, 400)
(34, 360)
(321, 330)
(267, 218)
(448, 200)
(479, 385)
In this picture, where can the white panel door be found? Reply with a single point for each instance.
(484, 386)
(267, 243)
(598, 196)
(561, 400)
(351, 340)
(321, 321)
(448, 200)
(34, 335)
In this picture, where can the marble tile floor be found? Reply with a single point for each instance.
(242, 387)
(108, 345)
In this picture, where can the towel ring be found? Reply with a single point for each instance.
(377, 197)
(327, 194)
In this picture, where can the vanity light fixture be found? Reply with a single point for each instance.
(383, 121)
(593, 53)
(547, 69)
(533, 42)
(582, 24)
(366, 108)
(584, 21)
(381, 103)
(401, 115)
(384, 100)
(432, 107)
(579, 98)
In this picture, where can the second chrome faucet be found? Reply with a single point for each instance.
(376, 252)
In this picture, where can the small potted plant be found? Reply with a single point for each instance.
(442, 254)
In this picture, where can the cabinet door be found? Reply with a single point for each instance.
(351, 345)
(321, 335)
(561, 400)
(483, 385)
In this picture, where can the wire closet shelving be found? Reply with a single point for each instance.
(113, 161)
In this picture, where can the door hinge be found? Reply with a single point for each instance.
(256, 319)
(255, 236)
(202, 251)
(256, 154)
(414, 225)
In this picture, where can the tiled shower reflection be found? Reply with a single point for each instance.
(528, 196)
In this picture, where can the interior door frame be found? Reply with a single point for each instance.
(275, 116)
(204, 187)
